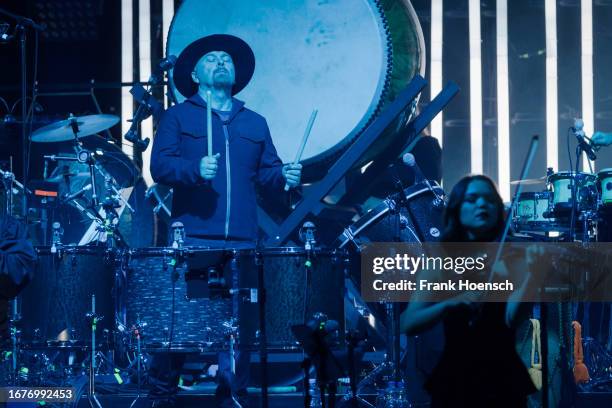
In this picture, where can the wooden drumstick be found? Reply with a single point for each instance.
(209, 123)
(298, 155)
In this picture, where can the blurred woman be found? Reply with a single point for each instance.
(479, 366)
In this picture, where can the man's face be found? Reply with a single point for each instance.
(215, 69)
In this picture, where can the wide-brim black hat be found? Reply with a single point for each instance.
(238, 49)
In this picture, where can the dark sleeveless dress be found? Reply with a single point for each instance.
(479, 366)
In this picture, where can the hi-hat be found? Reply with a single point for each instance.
(63, 131)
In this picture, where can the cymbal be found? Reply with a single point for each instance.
(62, 131)
(530, 182)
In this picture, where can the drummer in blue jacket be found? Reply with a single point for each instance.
(214, 195)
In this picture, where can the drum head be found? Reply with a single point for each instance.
(337, 57)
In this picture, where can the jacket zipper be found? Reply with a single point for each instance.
(228, 180)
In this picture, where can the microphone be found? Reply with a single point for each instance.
(583, 142)
(410, 161)
(74, 196)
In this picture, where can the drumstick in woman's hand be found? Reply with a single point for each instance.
(298, 155)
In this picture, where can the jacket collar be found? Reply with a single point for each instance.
(237, 104)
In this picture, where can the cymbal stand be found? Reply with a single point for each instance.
(91, 395)
(85, 156)
(109, 204)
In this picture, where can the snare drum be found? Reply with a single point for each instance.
(604, 179)
(562, 190)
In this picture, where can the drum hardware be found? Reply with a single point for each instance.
(8, 180)
(82, 156)
(94, 319)
(147, 104)
(583, 146)
(263, 338)
(137, 332)
(178, 235)
(307, 235)
(56, 237)
(153, 193)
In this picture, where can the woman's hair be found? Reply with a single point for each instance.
(453, 230)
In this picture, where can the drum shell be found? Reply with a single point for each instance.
(59, 296)
(604, 179)
(562, 194)
(149, 296)
(285, 284)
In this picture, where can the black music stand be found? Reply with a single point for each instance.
(320, 354)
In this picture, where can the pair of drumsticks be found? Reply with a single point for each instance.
(299, 153)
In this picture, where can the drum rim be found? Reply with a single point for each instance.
(560, 175)
(349, 233)
(607, 170)
(70, 249)
(294, 250)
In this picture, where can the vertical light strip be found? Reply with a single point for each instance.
(503, 101)
(437, 17)
(588, 114)
(144, 51)
(127, 72)
(475, 88)
(167, 14)
(552, 125)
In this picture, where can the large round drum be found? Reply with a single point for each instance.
(56, 303)
(346, 58)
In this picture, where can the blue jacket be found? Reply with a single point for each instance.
(224, 207)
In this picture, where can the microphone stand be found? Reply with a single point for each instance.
(22, 24)
(583, 146)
